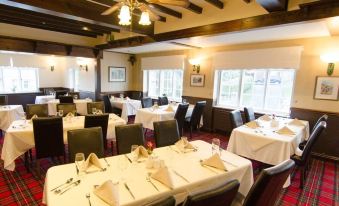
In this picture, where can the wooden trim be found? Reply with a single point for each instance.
(194, 8)
(313, 110)
(216, 3)
(273, 5)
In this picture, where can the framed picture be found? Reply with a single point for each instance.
(197, 80)
(116, 74)
(326, 88)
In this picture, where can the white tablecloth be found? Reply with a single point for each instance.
(8, 114)
(81, 105)
(19, 137)
(43, 99)
(128, 107)
(134, 175)
(147, 116)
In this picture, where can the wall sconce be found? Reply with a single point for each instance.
(330, 58)
(52, 68)
(196, 64)
(84, 67)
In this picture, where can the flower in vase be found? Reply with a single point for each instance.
(149, 147)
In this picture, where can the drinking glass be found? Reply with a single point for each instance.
(79, 162)
(24, 117)
(134, 155)
(75, 97)
(94, 110)
(215, 145)
(61, 113)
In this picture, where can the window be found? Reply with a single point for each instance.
(168, 82)
(16, 79)
(266, 90)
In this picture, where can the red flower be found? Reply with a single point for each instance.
(150, 144)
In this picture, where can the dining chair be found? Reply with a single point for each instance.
(67, 108)
(59, 93)
(75, 95)
(268, 185)
(100, 120)
(66, 99)
(221, 194)
(249, 114)
(236, 119)
(136, 95)
(41, 110)
(48, 138)
(87, 141)
(180, 115)
(303, 161)
(107, 103)
(166, 133)
(128, 135)
(3, 100)
(162, 100)
(97, 105)
(194, 120)
(168, 201)
(146, 102)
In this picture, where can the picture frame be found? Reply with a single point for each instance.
(326, 88)
(116, 74)
(197, 80)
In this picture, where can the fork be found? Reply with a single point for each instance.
(88, 196)
(150, 181)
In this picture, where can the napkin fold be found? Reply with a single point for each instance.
(285, 131)
(127, 98)
(70, 114)
(92, 160)
(141, 152)
(266, 117)
(163, 175)
(169, 108)
(33, 117)
(184, 144)
(108, 192)
(296, 122)
(99, 111)
(214, 161)
(112, 98)
(252, 124)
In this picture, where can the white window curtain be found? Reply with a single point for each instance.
(163, 62)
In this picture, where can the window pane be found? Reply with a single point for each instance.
(177, 84)
(1, 82)
(229, 87)
(12, 80)
(153, 83)
(253, 88)
(166, 83)
(28, 80)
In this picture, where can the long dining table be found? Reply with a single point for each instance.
(8, 114)
(19, 137)
(128, 106)
(81, 106)
(180, 165)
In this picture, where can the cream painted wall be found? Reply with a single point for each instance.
(310, 67)
(118, 60)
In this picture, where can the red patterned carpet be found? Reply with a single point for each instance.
(321, 188)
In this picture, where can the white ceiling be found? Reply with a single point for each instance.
(286, 32)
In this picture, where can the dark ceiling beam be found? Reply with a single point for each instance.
(129, 42)
(194, 8)
(76, 10)
(216, 3)
(163, 9)
(247, 1)
(273, 5)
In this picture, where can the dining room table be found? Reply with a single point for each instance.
(128, 106)
(184, 168)
(44, 99)
(19, 137)
(81, 106)
(10, 113)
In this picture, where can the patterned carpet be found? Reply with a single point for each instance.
(321, 188)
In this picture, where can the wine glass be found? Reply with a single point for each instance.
(61, 113)
(79, 162)
(215, 145)
(134, 155)
(24, 117)
(75, 97)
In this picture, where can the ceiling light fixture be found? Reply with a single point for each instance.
(125, 16)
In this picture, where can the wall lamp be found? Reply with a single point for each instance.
(52, 68)
(84, 67)
(196, 64)
(331, 59)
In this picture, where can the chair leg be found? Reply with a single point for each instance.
(112, 147)
(30, 155)
(302, 177)
(26, 162)
(38, 168)
(191, 131)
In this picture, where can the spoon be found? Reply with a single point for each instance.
(108, 165)
(68, 181)
(88, 196)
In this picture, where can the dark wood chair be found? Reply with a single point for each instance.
(87, 141)
(221, 194)
(48, 138)
(249, 114)
(194, 120)
(303, 160)
(136, 95)
(67, 108)
(107, 103)
(3, 100)
(41, 110)
(66, 99)
(96, 105)
(180, 116)
(75, 95)
(322, 118)
(236, 119)
(59, 93)
(166, 133)
(146, 102)
(268, 186)
(162, 100)
(101, 121)
(168, 201)
(128, 135)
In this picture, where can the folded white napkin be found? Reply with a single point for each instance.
(296, 122)
(92, 160)
(252, 124)
(184, 145)
(266, 117)
(163, 176)
(33, 117)
(112, 98)
(70, 114)
(141, 152)
(285, 131)
(99, 111)
(108, 192)
(127, 98)
(298, 152)
(214, 161)
(169, 108)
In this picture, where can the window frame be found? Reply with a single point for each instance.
(20, 79)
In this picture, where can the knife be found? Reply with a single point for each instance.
(70, 186)
(128, 158)
(68, 181)
(175, 172)
(130, 192)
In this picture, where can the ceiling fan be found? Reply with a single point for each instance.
(127, 6)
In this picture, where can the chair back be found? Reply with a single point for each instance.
(59, 93)
(41, 110)
(128, 135)
(197, 113)
(180, 115)
(101, 121)
(236, 119)
(146, 102)
(166, 132)
(168, 201)
(221, 194)
(66, 99)
(107, 103)
(48, 137)
(267, 187)
(322, 118)
(96, 105)
(67, 108)
(3, 99)
(75, 95)
(249, 114)
(87, 141)
(136, 95)
(162, 100)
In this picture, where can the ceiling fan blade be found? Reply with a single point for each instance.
(153, 16)
(112, 9)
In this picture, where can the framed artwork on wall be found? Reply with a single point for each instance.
(326, 88)
(116, 74)
(197, 80)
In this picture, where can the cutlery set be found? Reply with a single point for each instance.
(61, 189)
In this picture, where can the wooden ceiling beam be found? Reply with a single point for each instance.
(247, 1)
(194, 8)
(163, 9)
(216, 3)
(273, 5)
(129, 42)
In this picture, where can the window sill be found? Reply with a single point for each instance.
(260, 112)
